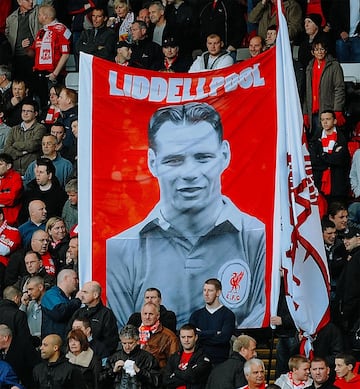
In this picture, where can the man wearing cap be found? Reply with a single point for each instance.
(314, 32)
(347, 290)
(123, 53)
(172, 60)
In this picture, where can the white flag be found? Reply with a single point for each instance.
(298, 245)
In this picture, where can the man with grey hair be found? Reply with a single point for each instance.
(70, 208)
(230, 374)
(58, 305)
(154, 337)
(102, 320)
(131, 366)
(254, 371)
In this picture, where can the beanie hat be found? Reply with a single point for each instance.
(315, 18)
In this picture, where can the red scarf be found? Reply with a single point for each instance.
(316, 73)
(146, 331)
(328, 142)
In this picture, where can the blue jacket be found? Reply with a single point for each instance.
(57, 310)
(8, 376)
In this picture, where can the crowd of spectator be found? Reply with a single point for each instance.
(43, 315)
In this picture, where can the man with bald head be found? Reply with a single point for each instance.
(40, 244)
(56, 371)
(37, 220)
(16, 268)
(58, 305)
(102, 320)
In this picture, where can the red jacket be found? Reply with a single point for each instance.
(11, 187)
(10, 240)
(354, 383)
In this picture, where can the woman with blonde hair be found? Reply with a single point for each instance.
(59, 240)
(122, 20)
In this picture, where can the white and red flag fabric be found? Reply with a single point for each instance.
(298, 242)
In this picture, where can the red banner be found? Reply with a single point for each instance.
(176, 248)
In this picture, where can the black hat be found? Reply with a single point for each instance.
(121, 44)
(351, 232)
(169, 41)
(315, 18)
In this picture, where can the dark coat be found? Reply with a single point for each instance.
(229, 374)
(348, 292)
(145, 54)
(148, 376)
(340, 17)
(328, 343)
(331, 89)
(226, 20)
(22, 357)
(54, 198)
(184, 23)
(103, 324)
(16, 268)
(15, 319)
(58, 375)
(193, 377)
(338, 162)
(102, 45)
(58, 253)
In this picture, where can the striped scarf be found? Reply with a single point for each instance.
(146, 331)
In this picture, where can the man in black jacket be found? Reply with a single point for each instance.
(146, 54)
(189, 367)
(102, 320)
(18, 352)
(230, 374)
(320, 373)
(100, 40)
(55, 371)
(347, 288)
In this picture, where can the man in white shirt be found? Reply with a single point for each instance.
(215, 58)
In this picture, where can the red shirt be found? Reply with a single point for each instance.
(51, 42)
(184, 361)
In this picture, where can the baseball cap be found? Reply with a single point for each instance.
(169, 41)
(121, 44)
(351, 232)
